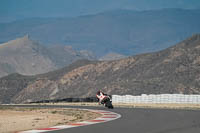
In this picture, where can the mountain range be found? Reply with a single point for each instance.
(172, 70)
(12, 10)
(29, 57)
(125, 32)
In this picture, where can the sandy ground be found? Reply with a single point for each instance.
(20, 119)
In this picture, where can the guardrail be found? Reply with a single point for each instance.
(88, 99)
(162, 98)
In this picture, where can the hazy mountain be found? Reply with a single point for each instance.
(63, 55)
(173, 70)
(24, 56)
(29, 57)
(122, 31)
(12, 10)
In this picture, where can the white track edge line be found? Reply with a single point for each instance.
(104, 113)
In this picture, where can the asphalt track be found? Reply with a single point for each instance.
(142, 121)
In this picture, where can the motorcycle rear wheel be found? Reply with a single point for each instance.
(109, 104)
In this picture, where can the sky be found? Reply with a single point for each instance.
(11, 10)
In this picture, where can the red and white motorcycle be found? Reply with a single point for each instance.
(105, 100)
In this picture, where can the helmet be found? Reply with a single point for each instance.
(98, 92)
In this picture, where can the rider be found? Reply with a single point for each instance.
(100, 96)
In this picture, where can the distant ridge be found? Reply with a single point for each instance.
(19, 41)
(125, 32)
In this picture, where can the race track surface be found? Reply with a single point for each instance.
(143, 121)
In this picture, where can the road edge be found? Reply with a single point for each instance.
(105, 117)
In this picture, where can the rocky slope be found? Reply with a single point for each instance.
(112, 56)
(173, 70)
(29, 57)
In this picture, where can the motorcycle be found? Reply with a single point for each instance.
(107, 102)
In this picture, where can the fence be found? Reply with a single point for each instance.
(162, 98)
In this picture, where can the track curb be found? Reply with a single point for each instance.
(106, 116)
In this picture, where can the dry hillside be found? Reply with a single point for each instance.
(173, 70)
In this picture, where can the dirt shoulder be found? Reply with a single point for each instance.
(134, 105)
(20, 119)
(161, 106)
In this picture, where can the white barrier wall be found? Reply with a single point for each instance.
(163, 98)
